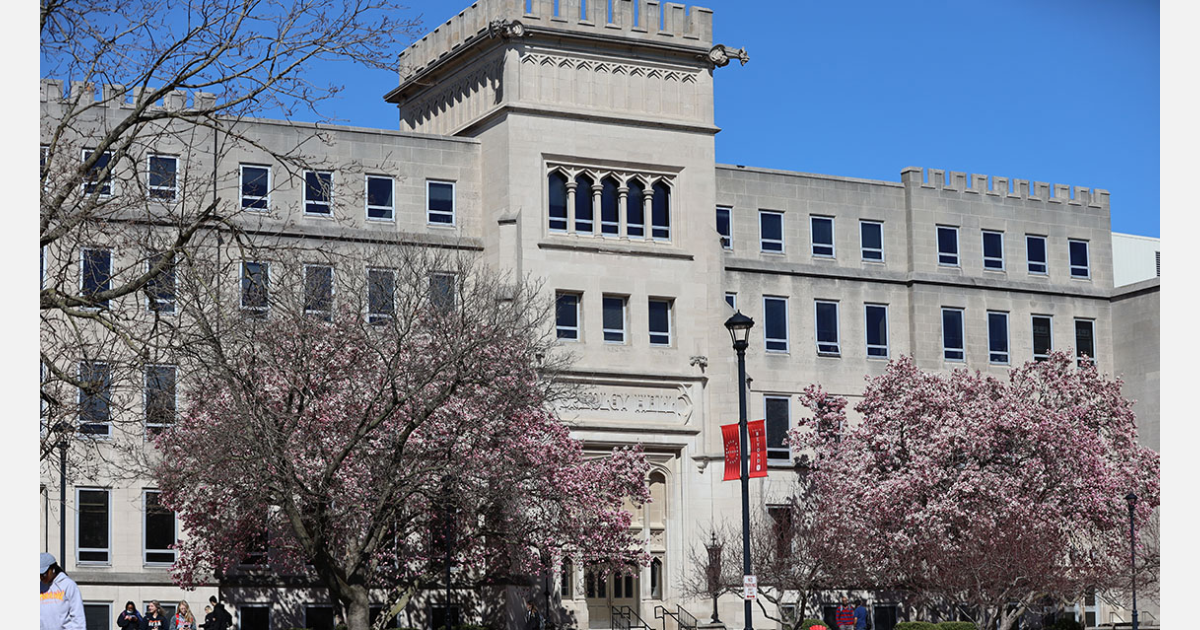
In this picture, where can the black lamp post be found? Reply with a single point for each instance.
(1131, 499)
(63, 429)
(715, 549)
(739, 331)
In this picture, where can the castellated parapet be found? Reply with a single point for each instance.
(586, 17)
(914, 176)
(52, 90)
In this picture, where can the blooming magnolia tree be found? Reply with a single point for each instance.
(360, 448)
(983, 494)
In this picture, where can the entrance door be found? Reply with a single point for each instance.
(604, 594)
(886, 616)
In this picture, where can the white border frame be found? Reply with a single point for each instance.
(175, 533)
(112, 181)
(1033, 347)
(379, 318)
(453, 287)
(861, 248)
(146, 424)
(731, 294)
(150, 188)
(1045, 252)
(983, 244)
(591, 204)
(1087, 252)
(242, 290)
(887, 329)
(624, 318)
(453, 203)
(1075, 332)
(646, 185)
(304, 200)
(83, 268)
(108, 435)
(78, 512)
(174, 285)
(578, 327)
(332, 288)
(721, 237)
(108, 615)
(669, 185)
(242, 196)
(937, 243)
(837, 320)
(812, 244)
(1007, 338)
(367, 207)
(782, 234)
(598, 213)
(670, 302)
(787, 329)
(962, 333)
(784, 397)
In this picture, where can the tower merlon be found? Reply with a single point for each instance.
(915, 176)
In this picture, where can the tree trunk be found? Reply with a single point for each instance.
(357, 603)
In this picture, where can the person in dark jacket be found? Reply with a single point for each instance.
(222, 620)
(130, 618)
(154, 619)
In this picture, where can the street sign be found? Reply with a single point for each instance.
(749, 586)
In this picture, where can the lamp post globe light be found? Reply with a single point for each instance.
(739, 331)
(1131, 499)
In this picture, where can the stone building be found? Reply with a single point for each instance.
(579, 147)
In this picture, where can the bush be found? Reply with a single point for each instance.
(956, 625)
(808, 623)
(917, 625)
(1065, 623)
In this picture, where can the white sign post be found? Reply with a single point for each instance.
(749, 586)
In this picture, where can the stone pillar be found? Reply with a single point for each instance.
(571, 186)
(622, 200)
(597, 210)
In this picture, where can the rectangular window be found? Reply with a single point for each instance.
(318, 193)
(614, 318)
(731, 300)
(877, 330)
(159, 530)
(381, 295)
(635, 209)
(318, 291)
(777, 411)
(318, 617)
(95, 399)
(993, 250)
(254, 617)
(827, 329)
(660, 322)
(775, 323)
(871, 235)
(1043, 337)
(441, 291)
(159, 397)
(381, 198)
(256, 187)
(96, 615)
(1079, 259)
(95, 275)
(92, 526)
(160, 289)
(566, 581)
(1035, 253)
(439, 200)
(997, 337)
(256, 286)
(96, 180)
(162, 177)
(724, 227)
(953, 346)
(822, 236)
(947, 243)
(660, 212)
(1085, 341)
(566, 316)
(770, 229)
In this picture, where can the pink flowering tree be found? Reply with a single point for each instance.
(979, 494)
(359, 448)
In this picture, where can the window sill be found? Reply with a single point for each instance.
(830, 355)
(441, 225)
(612, 246)
(380, 220)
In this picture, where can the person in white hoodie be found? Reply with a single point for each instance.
(62, 605)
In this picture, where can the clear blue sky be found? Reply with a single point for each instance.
(1061, 91)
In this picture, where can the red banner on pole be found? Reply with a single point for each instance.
(733, 455)
(758, 448)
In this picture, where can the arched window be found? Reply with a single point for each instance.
(635, 217)
(558, 202)
(661, 212)
(656, 573)
(583, 204)
(658, 499)
(609, 217)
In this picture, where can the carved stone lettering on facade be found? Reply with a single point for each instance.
(614, 402)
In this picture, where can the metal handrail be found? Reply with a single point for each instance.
(685, 619)
(631, 615)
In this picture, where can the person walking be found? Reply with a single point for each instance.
(533, 619)
(183, 619)
(154, 619)
(845, 615)
(62, 605)
(130, 618)
(861, 616)
(223, 620)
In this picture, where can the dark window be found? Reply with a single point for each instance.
(998, 338)
(827, 329)
(614, 319)
(822, 236)
(1042, 337)
(160, 289)
(557, 193)
(731, 300)
(162, 184)
(566, 581)
(1035, 252)
(318, 291)
(381, 295)
(437, 616)
(1157, 264)
(96, 616)
(159, 397)
(92, 526)
(782, 525)
(660, 322)
(770, 228)
(256, 279)
(660, 212)
(778, 415)
(877, 332)
(94, 399)
(441, 291)
(584, 220)
(96, 180)
(441, 202)
(724, 228)
(160, 531)
(566, 316)
(947, 240)
(871, 233)
(318, 617)
(318, 192)
(381, 203)
(993, 250)
(635, 209)
(256, 187)
(953, 348)
(775, 326)
(656, 567)
(254, 618)
(610, 219)
(1079, 259)
(1085, 341)
(96, 275)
